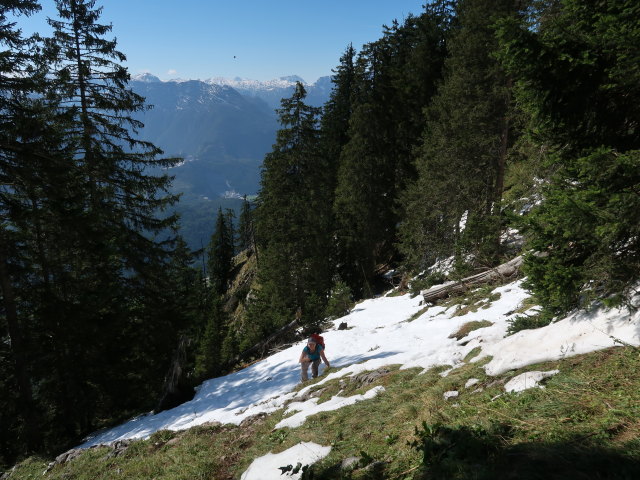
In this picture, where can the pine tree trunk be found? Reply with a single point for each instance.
(86, 124)
(504, 145)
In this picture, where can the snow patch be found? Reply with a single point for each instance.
(581, 332)
(450, 394)
(268, 466)
(528, 380)
(471, 382)
(311, 407)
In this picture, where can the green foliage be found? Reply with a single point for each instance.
(246, 226)
(209, 358)
(563, 53)
(423, 282)
(220, 253)
(527, 322)
(293, 222)
(91, 299)
(585, 234)
(340, 300)
(396, 77)
(464, 149)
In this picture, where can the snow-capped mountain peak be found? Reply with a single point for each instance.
(256, 85)
(145, 77)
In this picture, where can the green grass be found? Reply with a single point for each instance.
(469, 327)
(589, 411)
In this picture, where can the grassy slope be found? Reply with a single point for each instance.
(587, 418)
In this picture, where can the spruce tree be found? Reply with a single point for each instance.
(577, 77)
(396, 78)
(209, 356)
(453, 207)
(293, 218)
(220, 254)
(246, 227)
(79, 208)
(334, 126)
(21, 127)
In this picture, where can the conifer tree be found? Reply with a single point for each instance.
(21, 127)
(220, 254)
(107, 274)
(79, 209)
(334, 127)
(246, 227)
(230, 216)
(209, 357)
(396, 78)
(577, 78)
(453, 206)
(293, 217)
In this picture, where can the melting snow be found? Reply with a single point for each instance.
(528, 380)
(268, 466)
(380, 334)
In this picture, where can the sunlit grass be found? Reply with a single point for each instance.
(594, 398)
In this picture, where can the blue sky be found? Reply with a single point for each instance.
(256, 39)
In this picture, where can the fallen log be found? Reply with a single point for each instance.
(505, 270)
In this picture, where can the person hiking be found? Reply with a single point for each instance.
(311, 355)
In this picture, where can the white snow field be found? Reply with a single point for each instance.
(379, 334)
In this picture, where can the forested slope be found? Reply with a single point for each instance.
(458, 125)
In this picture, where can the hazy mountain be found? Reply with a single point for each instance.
(222, 129)
(272, 91)
(194, 118)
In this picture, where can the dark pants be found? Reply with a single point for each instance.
(314, 369)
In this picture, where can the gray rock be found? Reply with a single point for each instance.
(370, 377)
(350, 463)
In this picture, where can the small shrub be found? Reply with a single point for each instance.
(527, 322)
(340, 301)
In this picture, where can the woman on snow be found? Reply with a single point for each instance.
(311, 355)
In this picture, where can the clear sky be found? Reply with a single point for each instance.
(255, 39)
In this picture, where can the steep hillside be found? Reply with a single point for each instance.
(415, 391)
(222, 134)
(222, 129)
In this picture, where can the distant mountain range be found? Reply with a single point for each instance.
(222, 128)
(273, 91)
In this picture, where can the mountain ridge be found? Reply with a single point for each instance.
(223, 134)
